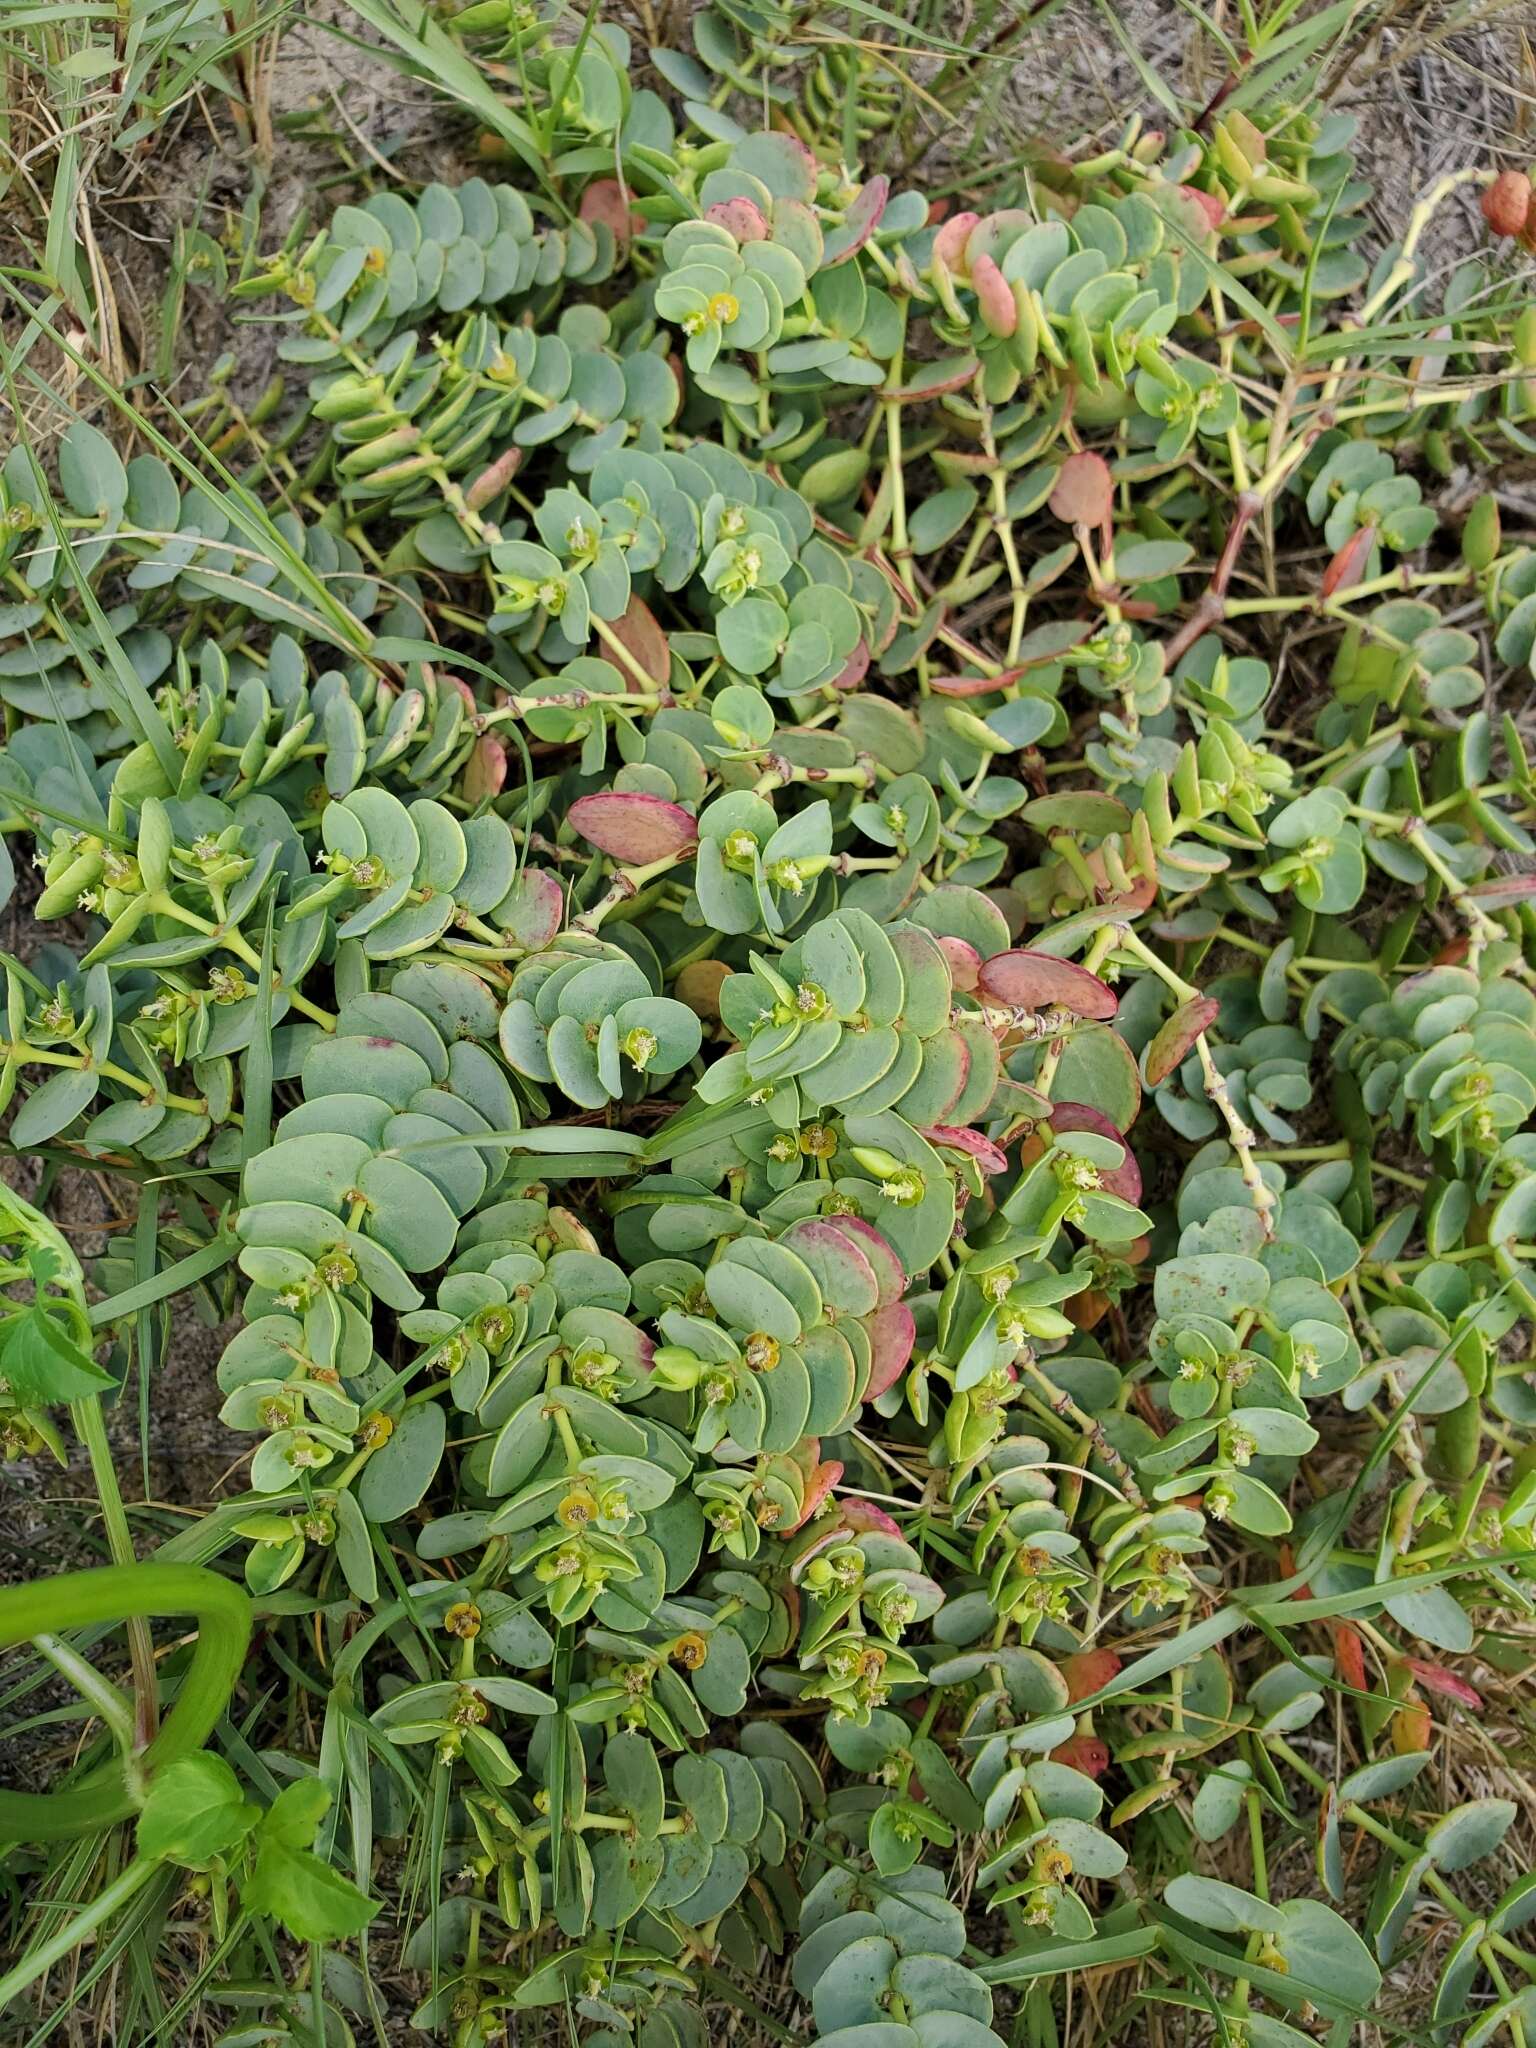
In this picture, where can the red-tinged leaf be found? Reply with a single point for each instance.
(933, 380)
(1087, 1671)
(889, 1275)
(1085, 1753)
(854, 669)
(973, 686)
(1123, 1180)
(864, 1516)
(1084, 493)
(859, 222)
(949, 243)
(606, 201)
(991, 1158)
(964, 963)
(1023, 980)
(1176, 1037)
(1209, 203)
(458, 683)
(742, 218)
(1503, 889)
(1349, 1656)
(994, 295)
(632, 827)
(1349, 565)
(638, 632)
(1435, 1678)
(892, 1333)
(485, 772)
(534, 911)
(493, 479)
(820, 1483)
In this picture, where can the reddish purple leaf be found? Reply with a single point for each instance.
(892, 1333)
(632, 827)
(639, 632)
(1435, 1678)
(534, 911)
(1177, 1037)
(864, 1516)
(964, 963)
(991, 1158)
(1024, 980)
(1123, 1180)
(888, 1268)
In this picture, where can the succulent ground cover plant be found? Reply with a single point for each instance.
(872, 1178)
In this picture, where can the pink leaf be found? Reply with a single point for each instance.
(637, 630)
(1084, 494)
(888, 1268)
(964, 963)
(933, 380)
(859, 222)
(1209, 203)
(991, 1158)
(741, 218)
(534, 910)
(493, 480)
(973, 686)
(821, 1482)
(1435, 1678)
(1123, 1180)
(1176, 1037)
(892, 1333)
(854, 670)
(1503, 889)
(630, 826)
(1350, 563)
(994, 295)
(1024, 980)
(864, 1516)
(949, 243)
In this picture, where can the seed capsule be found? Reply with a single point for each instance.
(1507, 202)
